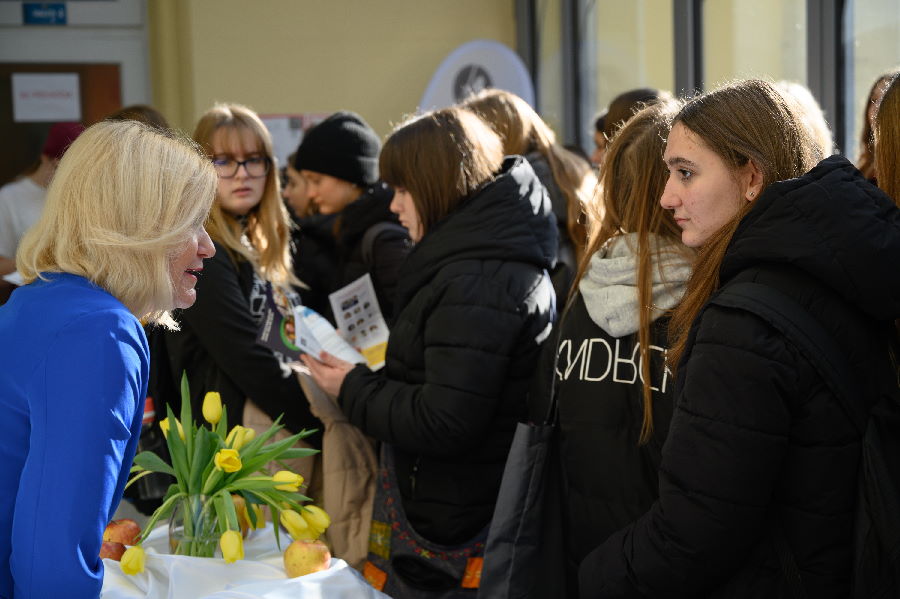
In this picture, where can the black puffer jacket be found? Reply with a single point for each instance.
(758, 441)
(475, 304)
(315, 260)
(388, 250)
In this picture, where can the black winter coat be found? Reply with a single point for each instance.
(758, 440)
(389, 249)
(217, 347)
(475, 304)
(315, 260)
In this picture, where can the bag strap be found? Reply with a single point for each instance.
(368, 240)
(807, 334)
(821, 350)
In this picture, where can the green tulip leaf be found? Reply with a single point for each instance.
(147, 460)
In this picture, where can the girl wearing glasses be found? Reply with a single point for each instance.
(217, 344)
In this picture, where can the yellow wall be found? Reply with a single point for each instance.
(301, 56)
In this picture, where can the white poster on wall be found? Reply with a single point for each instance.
(474, 66)
(287, 131)
(45, 97)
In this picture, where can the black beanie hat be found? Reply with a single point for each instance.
(343, 146)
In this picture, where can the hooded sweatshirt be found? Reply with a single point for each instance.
(610, 479)
(474, 305)
(759, 446)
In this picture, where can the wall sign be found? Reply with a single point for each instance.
(45, 97)
(474, 66)
(44, 13)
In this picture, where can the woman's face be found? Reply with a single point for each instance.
(239, 191)
(186, 265)
(295, 192)
(329, 194)
(701, 191)
(402, 205)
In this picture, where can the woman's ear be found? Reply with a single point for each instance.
(752, 180)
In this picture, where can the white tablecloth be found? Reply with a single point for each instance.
(259, 575)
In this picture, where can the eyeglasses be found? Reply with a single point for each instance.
(256, 167)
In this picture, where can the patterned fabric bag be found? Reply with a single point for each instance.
(405, 565)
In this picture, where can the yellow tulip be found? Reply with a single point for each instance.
(260, 516)
(239, 436)
(228, 460)
(232, 545)
(297, 526)
(290, 481)
(212, 407)
(316, 517)
(164, 426)
(132, 561)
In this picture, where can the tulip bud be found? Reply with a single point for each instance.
(227, 460)
(239, 436)
(132, 561)
(164, 426)
(316, 517)
(260, 516)
(212, 407)
(297, 526)
(290, 481)
(232, 545)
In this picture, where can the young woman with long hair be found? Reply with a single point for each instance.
(613, 391)
(474, 304)
(759, 474)
(569, 179)
(217, 345)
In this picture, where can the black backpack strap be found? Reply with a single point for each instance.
(807, 334)
(821, 350)
(368, 240)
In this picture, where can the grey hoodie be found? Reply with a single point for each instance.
(610, 290)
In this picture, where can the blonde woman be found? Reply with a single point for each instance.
(121, 238)
(249, 224)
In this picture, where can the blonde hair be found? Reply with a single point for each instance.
(627, 201)
(268, 224)
(523, 131)
(743, 121)
(887, 141)
(124, 199)
(441, 157)
(810, 114)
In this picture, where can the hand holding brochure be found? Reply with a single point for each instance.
(361, 335)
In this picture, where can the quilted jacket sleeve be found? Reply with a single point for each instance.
(471, 331)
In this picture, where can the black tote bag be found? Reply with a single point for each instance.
(524, 556)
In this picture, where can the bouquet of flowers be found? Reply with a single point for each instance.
(221, 484)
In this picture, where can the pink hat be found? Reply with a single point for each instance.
(60, 138)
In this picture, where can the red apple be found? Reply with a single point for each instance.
(305, 557)
(112, 550)
(125, 531)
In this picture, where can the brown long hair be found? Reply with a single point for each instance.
(523, 131)
(268, 225)
(865, 162)
(887, 140)
(627, 201)
(743, 121)
(441, 157)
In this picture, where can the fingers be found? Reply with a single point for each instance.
(333, 361)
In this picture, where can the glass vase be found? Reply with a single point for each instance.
(193, 528)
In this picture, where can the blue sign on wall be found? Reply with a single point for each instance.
(44, 13)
